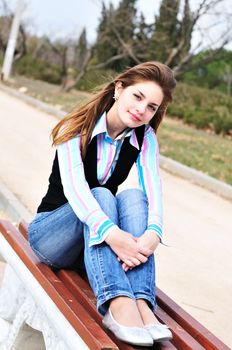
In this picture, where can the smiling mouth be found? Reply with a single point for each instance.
(134, 117)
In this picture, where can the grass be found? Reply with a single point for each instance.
(49, 93)
(198, 149)
(209, 153)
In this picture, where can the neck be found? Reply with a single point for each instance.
(114, 126)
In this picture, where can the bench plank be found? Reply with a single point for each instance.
(188, 333)
(82, 322)
(207, 339)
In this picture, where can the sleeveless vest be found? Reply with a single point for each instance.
(55, 197)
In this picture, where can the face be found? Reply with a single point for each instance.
(137, 104)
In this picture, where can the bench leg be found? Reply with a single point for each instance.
(17, 308)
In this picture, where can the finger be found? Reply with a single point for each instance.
(119, 259)
(125, 267)
(142, 258)
(136, 261)
(145, 251)
(129, 263)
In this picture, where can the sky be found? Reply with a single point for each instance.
(66, 18)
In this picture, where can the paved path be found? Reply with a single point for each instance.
(195, 270)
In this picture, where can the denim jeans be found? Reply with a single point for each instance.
(58, 238)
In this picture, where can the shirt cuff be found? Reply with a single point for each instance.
(157, 230)
(103, 231)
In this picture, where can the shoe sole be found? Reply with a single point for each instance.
(159, 340)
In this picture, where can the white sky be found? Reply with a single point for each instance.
(64, 18)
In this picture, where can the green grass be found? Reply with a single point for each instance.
(209, 153)
(206, 152)
(50, 93)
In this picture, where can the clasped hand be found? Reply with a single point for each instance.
(130, 250)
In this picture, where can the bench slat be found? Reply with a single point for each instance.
(82, 322)
(181, 338)
(81, 289)
(188, 332)
(207, 339)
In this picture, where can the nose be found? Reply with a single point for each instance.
(141, 108)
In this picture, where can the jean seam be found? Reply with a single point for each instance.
(101, 264)
(151, 278)
(41, 256)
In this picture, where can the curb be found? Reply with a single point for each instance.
(12, 207)
(45, 107)
(197, 177)
(17, 211)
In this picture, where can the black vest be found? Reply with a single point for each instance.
(55, 197)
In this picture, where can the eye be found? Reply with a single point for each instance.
(138, 97)
(152, 108)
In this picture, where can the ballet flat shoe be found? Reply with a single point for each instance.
(133, 335)
(159, 332)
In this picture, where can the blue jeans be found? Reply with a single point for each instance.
(57, 238)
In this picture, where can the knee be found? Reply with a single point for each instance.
(103, 196)
(132, 195)
(101, 192)
(132, 208)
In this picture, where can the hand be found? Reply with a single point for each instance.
(127, 249)
(148, 240)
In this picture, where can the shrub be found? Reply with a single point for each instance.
(95, 78)
(37, 69)
(202, 107)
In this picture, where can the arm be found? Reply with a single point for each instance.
(77, 191)
(150, 183)
(87, 209)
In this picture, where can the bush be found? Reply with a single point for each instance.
(222, 123)
(95, 78)
(37, 69)
(203, 108)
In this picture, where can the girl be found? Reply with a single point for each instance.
(96, 147)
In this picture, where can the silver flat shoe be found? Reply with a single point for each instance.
(159, 332)
(133, 335)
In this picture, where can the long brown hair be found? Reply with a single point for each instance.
(82, 121)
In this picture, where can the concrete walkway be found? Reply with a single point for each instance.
(195, 270)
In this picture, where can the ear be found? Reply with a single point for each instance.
(118, 88)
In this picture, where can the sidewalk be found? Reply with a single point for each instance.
(195, 270)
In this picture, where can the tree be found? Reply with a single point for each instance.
(81, 50)
(74, 61)
(142, 39)
(5, 25)
(215, 74)
(116, 34)
(166, 30)
(122, 40)
(191, 19)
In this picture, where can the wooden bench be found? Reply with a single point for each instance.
(66, 304)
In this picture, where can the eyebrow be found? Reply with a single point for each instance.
(152, 103)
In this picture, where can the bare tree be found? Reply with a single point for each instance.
(204, 42)
(5, 25)
(179, 56)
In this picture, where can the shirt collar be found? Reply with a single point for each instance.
(101, 128)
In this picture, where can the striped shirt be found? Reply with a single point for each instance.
(78, 193)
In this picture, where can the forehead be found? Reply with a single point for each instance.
(150, 89)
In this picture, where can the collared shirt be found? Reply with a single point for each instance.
(78, 193)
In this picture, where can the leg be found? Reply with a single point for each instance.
(57, 237)
(133, 214)
(105, 273)
(110, 284)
